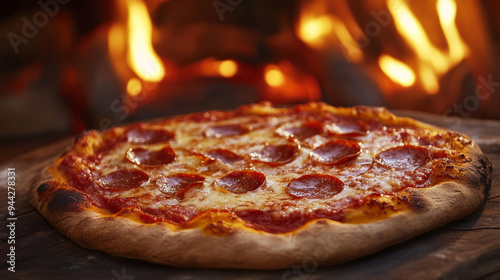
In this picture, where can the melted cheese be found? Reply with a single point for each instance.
(361, 176)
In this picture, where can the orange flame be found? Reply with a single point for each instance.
(285, 83)
(447, 10)
(397, 70)
(141, 55)
(432, 62)
(313, 29)
(319, 29)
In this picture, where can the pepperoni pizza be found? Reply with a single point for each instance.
(261, 187)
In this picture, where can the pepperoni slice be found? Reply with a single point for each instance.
(276, 154)
(304, 131)
(147, 157)
(404, 157)
(177, 184)
(124, 179)
(226, 156)
(315, 186)
(241, 181)
(140, 135)
(336, 151)
(221, 131)
(347, 127)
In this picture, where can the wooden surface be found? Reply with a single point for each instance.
(465, 249)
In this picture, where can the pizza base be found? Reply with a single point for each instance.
(223, 241)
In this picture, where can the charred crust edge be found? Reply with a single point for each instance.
(479, 172)
(67, 200)
(414, 200)
(46, 186)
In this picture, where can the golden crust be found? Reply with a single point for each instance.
(222, 240)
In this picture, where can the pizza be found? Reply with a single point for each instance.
(261, 187)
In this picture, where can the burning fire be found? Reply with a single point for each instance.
(397, 70)
(314, 29)
(141, 56)
(132, 37)
(286, 83)
(133, 40)
(320, 30)
(425, 54)
(327, 26)
(432, 62)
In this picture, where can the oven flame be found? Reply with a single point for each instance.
(432, 44)
(398, 71)
(285, 83)
(321, 31)
(447, 10)
(141, 56)
(313, 29)
(432, 62)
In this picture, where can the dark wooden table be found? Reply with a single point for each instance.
(465, 249)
